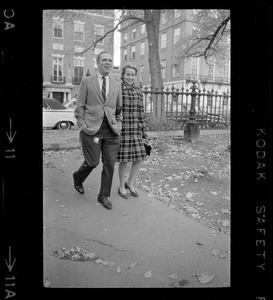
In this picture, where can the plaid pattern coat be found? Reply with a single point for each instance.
(131, 143)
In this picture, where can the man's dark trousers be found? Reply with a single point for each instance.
(105, 141)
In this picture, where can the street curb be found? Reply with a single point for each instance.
(61, 146)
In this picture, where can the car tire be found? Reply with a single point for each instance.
(63, 125)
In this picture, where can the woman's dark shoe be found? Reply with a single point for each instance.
(134, 194)
(125, 196)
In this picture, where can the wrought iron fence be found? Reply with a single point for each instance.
(209, 108)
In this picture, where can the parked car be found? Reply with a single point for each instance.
(56, 115)
(70, 104)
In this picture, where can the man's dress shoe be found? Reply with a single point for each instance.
(105, 202)
(78, 186)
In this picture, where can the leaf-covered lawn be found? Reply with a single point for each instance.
(191, 178)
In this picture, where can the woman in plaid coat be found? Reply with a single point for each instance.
(131, 145)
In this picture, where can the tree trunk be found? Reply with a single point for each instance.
(152, 20)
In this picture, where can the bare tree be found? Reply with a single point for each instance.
(210, 37)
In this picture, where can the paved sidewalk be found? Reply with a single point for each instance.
(56, 139)
(143, 230)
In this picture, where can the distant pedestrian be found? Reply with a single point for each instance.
(99, 116)
(132, 145)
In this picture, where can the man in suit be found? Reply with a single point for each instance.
(98, 114)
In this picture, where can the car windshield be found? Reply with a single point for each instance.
(53, 104)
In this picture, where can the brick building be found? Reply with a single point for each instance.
(173, 24)
(67, 55)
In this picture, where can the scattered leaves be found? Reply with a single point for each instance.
(204, 277)
(173, 276)
(148, 274)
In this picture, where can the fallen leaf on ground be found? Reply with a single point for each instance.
(204, 277)
(225, 223)
(75, 257)
(215, 252)
(148, 274)
(173, 276)
(214, 193)
(47, 283)
(132, 265)
(111, 264)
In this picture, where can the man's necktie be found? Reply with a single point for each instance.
(103, 90)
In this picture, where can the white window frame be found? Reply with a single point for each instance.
(59, 64)
(195, 67)
(125, 54)
(175, 69)
(177, 13)
(133, 33)
(133, 52)
(97, 26)
(142, 48)
(79, 28)
(176, 36)
(143, 28)
(125, 37)
(78, 61)
(141, 73)
(58, 21)
(163, 68)
(211, 69)
(163, 43)
(163, 17)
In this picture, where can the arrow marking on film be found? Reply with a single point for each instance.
(10, 136)
(10, 263)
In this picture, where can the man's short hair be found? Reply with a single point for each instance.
(102, 52)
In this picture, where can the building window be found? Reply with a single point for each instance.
(58, 69)
(163, 40)
(226, 71)
(163, 68)
(133, 33)
(177, 13)
(142, 48)
(143, 28)
(163, 17)
(78, 31)
(99, 33)
(78, 70)
(175, 68)
(58, 27)
(176, 35)
(211, 70)
(194, 67)
(133, 52)
(141, 73)
(125, 37)
(125, 54)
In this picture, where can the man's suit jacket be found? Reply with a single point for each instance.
(91, 108)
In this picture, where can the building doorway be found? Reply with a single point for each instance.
(58, 96)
